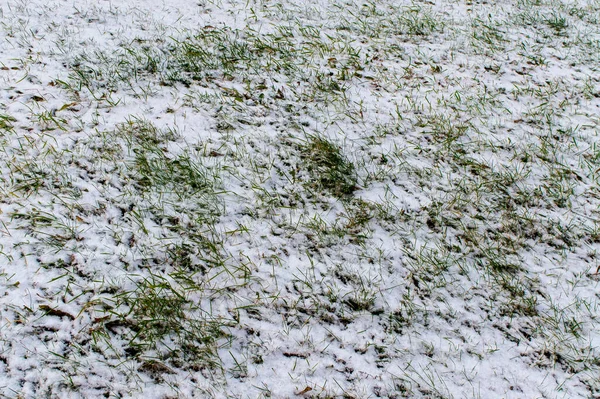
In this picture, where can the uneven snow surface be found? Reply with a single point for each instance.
(328, 199)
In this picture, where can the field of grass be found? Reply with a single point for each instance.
(320, 199)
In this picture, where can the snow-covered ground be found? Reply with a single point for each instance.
(300, 199)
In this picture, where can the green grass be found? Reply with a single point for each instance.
(329, 168)
(168, 326)
(6, 122)
(301, 172)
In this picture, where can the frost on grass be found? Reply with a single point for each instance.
(274, 199)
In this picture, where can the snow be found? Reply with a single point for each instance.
(135, 196)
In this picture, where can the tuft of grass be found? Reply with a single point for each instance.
(155, 170)
(329, 169)
(415, 21)
(558, 23)
(6, 122)
(489, 33)
(166, 324)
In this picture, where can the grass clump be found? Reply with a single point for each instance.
(167, 325)
(329, 168)
(6, 122)
(156, 170)
(415, 21)
(181, 172)
(558, 23)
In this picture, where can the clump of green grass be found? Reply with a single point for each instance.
(6, 122)
(167, 325)
(558, 23)
(415, 21)
(489, 34)
(329, 168)
(360, 300)
(351, 226)
(183, 172)
(155, 170)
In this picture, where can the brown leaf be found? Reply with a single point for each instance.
(56, 312)
(305, 390)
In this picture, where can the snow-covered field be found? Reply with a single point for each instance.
(327, 199)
